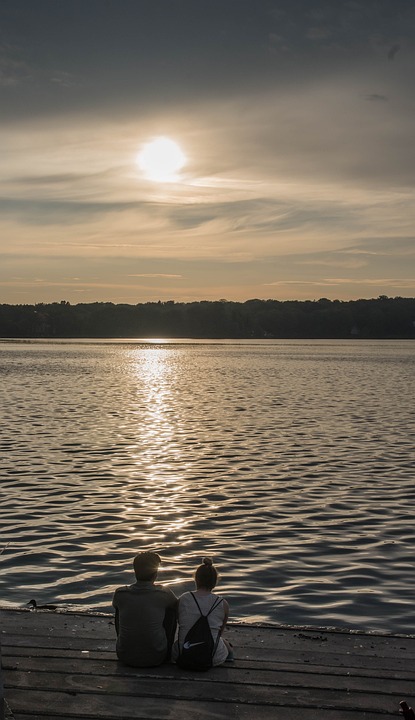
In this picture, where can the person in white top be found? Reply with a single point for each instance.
(206, 577)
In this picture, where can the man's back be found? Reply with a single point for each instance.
(140, 617)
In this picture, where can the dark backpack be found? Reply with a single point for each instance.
(199, 647)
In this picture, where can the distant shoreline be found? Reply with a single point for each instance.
(189, 340)
(382, 318)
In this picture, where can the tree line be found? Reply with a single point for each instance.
(382, 317)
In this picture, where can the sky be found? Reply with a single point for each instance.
(295, 121)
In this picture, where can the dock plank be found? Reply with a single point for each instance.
(120, 708)
(63, 666)
(347, 660)
(193, 689)
(12, 659)
(280, 677)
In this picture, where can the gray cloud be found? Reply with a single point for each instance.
(13, 68)
(55, 212)
(56, 179)
(387, 246)
(64, 78)
(155, 54)
(393, 51)
(376, 97)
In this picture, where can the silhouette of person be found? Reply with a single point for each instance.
(145, 616)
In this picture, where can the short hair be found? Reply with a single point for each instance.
(146, 565)
(206, 575)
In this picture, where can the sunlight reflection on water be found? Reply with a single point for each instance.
(290, 462)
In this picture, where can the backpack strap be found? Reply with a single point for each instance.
(198, 606)
(215, 605)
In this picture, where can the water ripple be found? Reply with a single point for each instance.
(290, 463)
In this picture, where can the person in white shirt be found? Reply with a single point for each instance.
(206, 577)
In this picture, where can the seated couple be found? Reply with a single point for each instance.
(146, 616)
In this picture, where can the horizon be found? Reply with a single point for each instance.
(173, 301)
(197, 151)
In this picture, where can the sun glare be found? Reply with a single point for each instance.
(161, 160)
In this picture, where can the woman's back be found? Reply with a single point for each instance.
(189, 613)
(204, 602)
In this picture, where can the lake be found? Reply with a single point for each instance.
(291, 463)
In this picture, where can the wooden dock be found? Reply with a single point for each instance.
(62, 666)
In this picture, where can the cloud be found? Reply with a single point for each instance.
(386, 246)
(333, 260)
(282, 185)
(318, 33)
(393, 51)
(388, 284)
(167, 276)
(383, 281)
(375, 97)
(13, 68)
(65, 79)
(54, 212)
(53, 180)
(301, 283)
(147, 69)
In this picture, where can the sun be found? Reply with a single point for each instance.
(161, 160)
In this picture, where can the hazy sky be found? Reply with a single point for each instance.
(296, 118)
